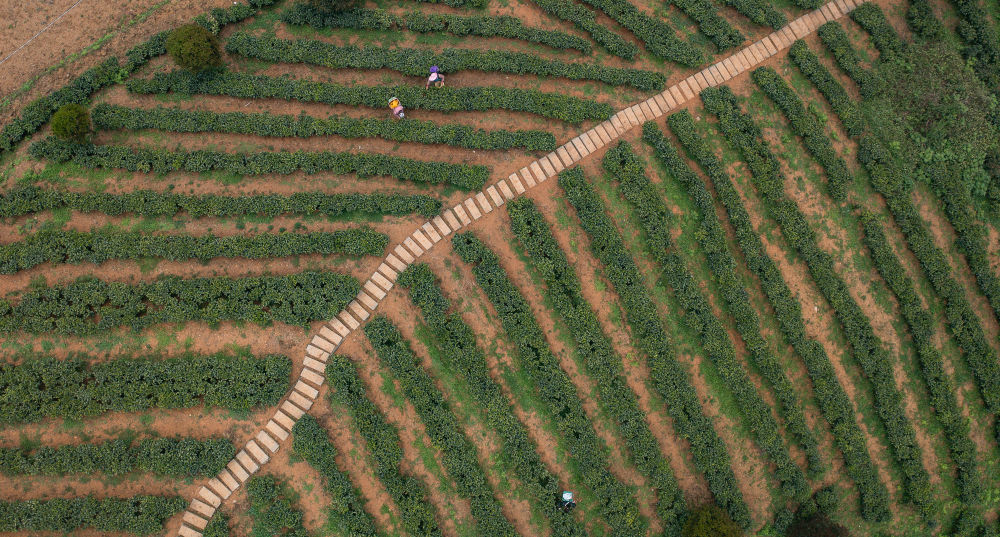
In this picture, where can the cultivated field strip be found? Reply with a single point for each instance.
(300, 399)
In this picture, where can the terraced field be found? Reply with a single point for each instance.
(705, 264)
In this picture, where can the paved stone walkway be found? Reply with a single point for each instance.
(269, 439)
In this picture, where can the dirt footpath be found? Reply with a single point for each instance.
(79, 28)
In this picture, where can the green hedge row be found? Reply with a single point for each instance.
(271, 509)
(659, 38)
(506, 26)
(105, 116)
(806, 126)
(458, 455)
(830, 395)
(346, 512)
(710, 23)
(161, 160)
(607, 244)
(870, 17)
(817, 73)
(110, 71)
(585, 20)
(179, 457)
(618, 506)
(24, 200)
(141, 515)
(41, 387)
(655, 216)
(601, 361)
(940, 387)
(965, 325)
(384, 444)
(246, 86)
(759, 12)
(866, 347)
(836, 41)
(414, 62)
(982, 45)
(88, 306)
(68, 246)
(457, 343)
(218, 526)
(923, 22)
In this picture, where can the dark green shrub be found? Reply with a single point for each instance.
(71, 122)
(332, 6)
(710, 521)
(817, 525)
(660, 39)
(271, 510)
(193, 48)
(76, 387)
(585, 20)
(31, 199)
(414, 62)
(141, 515)
(821, 77)
(450, 99)
(88, 306)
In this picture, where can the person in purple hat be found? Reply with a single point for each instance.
(436, 78)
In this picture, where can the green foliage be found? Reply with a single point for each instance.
(459, 351)
(193, 48)
(817, 73)
(806, 125)
(711, 23)
(71, 122)
(830, 395)
(558, 391)
(218, 525)
(43, 386)
(658, 37)
(161, 160)
(817, 525)
(608, 245)
(414, 62)
(271, 511)
(550, 105)
(655, 218)
(940, 387)
(923, 22)
(68, 246)
(88, 306)
(867, 348)
(585, 20)
(458, 455)
(179, 457)
(982, 45)
(870, 17)
(384, 444)
(346, 513)
(109, 117)
(147, 203)
(759, 12)
(710, 521)
(836, 41)
(415, 21)
(141, 515)
(331, 6)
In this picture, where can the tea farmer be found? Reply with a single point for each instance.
(436, 78)
(397, 108)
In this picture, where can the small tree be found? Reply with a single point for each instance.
(710, 521)
(333, 6)
(193, 48)
(71, 122)
(817, 525)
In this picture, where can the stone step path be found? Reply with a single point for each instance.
(268, 440)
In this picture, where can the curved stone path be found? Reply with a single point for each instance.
(268, 440)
